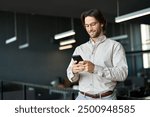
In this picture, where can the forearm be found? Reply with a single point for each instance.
(112, 73)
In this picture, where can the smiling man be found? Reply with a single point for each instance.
(104, 62)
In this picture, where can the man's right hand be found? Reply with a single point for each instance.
(77, 68)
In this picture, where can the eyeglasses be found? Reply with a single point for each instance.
(92, 24)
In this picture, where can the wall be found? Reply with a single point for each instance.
(41, 62)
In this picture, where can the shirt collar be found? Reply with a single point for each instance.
(100, 39)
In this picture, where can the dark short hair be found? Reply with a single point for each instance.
(96, 14)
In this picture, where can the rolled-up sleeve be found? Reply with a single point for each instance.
(71, 76)
(119, 69)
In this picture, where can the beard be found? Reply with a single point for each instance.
(94, 34)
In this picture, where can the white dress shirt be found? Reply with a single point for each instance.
(109, 59)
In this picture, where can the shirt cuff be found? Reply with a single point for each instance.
(98, 70)
(73, 77)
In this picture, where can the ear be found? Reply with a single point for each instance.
(102, 25)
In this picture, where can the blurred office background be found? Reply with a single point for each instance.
(32, 62)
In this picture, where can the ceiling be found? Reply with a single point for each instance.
(73, 8)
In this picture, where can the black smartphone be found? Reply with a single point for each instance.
(77, 58)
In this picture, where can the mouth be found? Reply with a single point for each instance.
(91, 33)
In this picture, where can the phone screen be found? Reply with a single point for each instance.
(77, 58)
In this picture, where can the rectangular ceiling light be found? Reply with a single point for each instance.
(66, 42)
(119, 37)
(24, 46)
(64, 34)
(65, 47)
(10, 40)
(132, 15)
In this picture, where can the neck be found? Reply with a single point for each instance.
(95, 39)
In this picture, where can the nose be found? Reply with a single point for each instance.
(90, 28)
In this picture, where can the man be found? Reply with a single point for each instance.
(104, 62)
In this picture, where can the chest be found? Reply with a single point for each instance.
(99, 55)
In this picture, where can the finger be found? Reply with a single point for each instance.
(85, 65)
(75, 62)
(81, 62)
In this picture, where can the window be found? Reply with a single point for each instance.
(145, 38)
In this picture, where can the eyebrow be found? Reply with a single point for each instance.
(92, 23)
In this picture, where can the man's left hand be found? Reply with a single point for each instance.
(88, 66)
